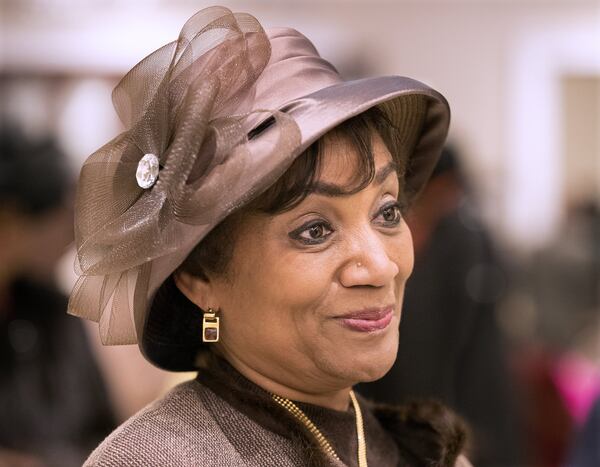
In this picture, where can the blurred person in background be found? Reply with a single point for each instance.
(560, 368)
(451, 348)
(53, 407)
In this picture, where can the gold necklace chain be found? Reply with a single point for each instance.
(320, 438)
(360, 432)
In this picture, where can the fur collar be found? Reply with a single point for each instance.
(427, 434)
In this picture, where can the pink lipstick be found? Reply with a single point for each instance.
(369, 320)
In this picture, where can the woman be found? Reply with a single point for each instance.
(248, 224)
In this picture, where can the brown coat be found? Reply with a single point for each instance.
(193, 426)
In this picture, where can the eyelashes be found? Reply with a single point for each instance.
(312, 233)
(317, 231)
(391, 213)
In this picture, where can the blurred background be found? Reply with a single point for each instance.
(511, 337)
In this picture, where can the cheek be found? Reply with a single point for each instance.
(276, 294)
(290, 285)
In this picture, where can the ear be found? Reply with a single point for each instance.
(198, 291)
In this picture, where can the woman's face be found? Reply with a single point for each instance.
(312, 296)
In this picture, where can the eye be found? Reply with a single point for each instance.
(312, 233)
(391, 214)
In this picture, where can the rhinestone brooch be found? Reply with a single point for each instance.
(147, 171)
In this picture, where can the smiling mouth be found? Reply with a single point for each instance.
(369, 320)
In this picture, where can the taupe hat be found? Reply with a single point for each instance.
(213, 119)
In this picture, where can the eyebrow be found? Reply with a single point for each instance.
(331, 189)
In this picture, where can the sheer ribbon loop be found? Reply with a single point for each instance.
(181, 103)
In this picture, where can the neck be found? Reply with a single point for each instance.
(337, 399)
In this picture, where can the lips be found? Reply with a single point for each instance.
(368, 320)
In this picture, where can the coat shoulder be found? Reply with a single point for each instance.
(177, 430)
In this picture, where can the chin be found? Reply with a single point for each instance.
(373, 364)
(376, 371)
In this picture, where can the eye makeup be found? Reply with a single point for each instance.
(313, 232)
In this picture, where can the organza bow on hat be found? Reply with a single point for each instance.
(181, 104)
(212, 120)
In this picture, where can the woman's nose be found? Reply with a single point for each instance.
(369, 261)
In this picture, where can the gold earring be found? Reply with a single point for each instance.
(210, 326)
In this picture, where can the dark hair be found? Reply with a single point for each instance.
(214, 252)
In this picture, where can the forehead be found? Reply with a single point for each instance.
(340, 159)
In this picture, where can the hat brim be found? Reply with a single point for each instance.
(321, 111)
(171, 348)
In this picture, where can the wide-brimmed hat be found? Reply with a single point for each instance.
(212, 120)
